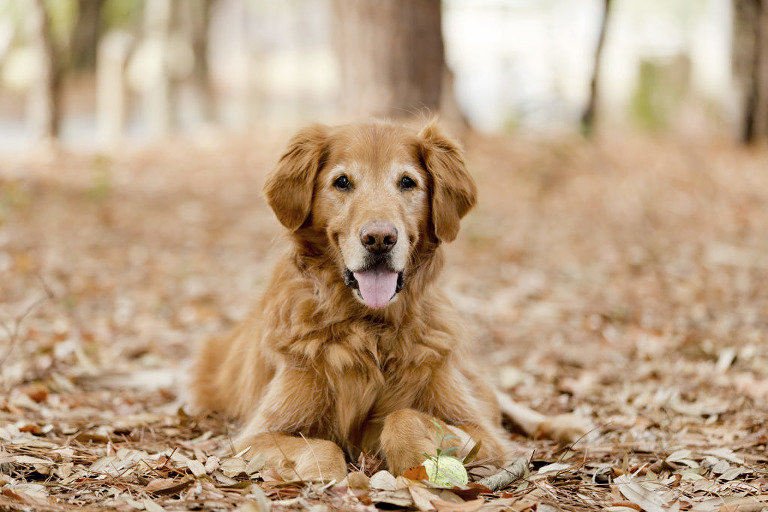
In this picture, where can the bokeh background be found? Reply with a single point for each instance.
(129, 71)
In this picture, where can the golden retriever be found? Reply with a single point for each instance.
(353, 347)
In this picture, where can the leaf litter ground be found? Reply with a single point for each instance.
(624, 280)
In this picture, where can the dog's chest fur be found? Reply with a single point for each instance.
(372, 369)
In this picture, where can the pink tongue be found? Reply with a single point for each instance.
(377, 286)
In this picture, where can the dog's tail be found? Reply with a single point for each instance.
(563, 428)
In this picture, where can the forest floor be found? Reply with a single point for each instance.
(625, 280)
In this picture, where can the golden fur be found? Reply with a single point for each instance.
(315, 374)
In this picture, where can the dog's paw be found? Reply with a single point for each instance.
(318, 460)
(563, 428)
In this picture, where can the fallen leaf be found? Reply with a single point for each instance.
(746, 504)
(232, 466)
(422, 498)
(196, 467)
(151, 506)
(731, 473)
(553, 468)
(471, 491)
(32, 429)
(25, 459)
(637, 492)
(259, 499)
(167, 485)
(383, 480)
(625, 505)
(256, 464)
(398, 498)
(212, 464)
(417, 473)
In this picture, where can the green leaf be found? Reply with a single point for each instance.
(449, 450)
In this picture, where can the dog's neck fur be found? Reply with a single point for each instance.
(314, 259)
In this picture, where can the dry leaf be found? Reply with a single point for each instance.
(553, 468)
(398, 498)
(225, 480)
(731, 474)
(151, 506)
(422, 498)
(26, 459)
(746, 504)
(417, 473)
(212, 464)
(639, 493)
(383, 480)
(259, 499)
(167, 485)
(196, 467)
(232, 466)
(255, 464)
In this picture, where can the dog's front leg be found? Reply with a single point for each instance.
(298, 458)
(290, 428)
(407, 435)
(467, 406)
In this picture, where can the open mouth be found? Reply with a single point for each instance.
(376, 285)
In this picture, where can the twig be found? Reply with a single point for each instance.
(13, 334)
(285, 457)
(320, 471)
(506, 476)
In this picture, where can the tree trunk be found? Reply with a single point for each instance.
(750, 58)
(111, 102)
(157, 98)
(391, 56)
(44, 97)
(201, 16)
(588, 117)
(86, 33)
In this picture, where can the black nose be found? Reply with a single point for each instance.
(378, 237)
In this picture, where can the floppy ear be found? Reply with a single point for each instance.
(454, 192)
(289, 186)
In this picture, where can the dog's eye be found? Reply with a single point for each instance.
(407, 183)
(342, 183)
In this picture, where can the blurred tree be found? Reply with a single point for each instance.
(662, 85)
(85, 34)
(200, 16)
(45, 95)
(750, 60)
(391, 56)
(122, 14)
(157, 94)
(588, 117)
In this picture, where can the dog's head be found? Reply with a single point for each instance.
(377, 195)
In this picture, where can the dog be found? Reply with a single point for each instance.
(353, 347)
